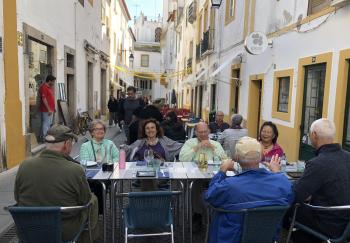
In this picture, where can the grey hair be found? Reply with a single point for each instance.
(236, 119)
(324, 128)
(253, 156)
(94, 123)
(55, 146)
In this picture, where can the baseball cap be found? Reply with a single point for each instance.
(246, 145)
(59, 133)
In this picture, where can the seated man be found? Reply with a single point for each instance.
(190, 152)
(252, 188)
(325, 182)
(201, 144)
(219, 125)
(54, 179)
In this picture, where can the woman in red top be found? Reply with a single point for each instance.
(268, 139)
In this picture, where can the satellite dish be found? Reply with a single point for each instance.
(256, 43)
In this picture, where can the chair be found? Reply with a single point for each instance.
(148, 210)
(296, 225)
(43, 224)
(259, 224)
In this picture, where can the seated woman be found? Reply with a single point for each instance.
(151, 137)
(173, 129)
(268, 139)
(230, 136)
(99, 149)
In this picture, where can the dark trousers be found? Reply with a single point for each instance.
(96, 188)
(113, 117)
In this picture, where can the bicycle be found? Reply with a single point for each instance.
(82, 122)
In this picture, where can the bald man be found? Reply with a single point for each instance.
(201, 144)
(219, 125)
(325, 182)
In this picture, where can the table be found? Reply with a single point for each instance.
(176, 173)
(101, 177)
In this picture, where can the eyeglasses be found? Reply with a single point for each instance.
(98, 129)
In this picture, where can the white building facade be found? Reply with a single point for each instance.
(147, 64)
(300, 77)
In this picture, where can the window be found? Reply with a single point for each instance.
(70, 60)
(144, 60)
(81, 2)
(150, 84)
(317, 5)
(158, 33)
(283, 94)
(230, 11)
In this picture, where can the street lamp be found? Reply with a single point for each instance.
(216, 3)
(131, 59)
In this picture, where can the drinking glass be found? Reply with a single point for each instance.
(148, 156)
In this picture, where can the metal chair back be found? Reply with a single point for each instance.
(259, 224)
(149, 209)
(295, 224)
(37, 224)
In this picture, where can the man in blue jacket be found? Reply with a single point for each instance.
(252, 188)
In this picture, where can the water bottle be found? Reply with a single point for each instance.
(283, 163)
(122, 156)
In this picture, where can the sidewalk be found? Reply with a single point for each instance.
(7, 178)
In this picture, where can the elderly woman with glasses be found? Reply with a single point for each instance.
(99, 149)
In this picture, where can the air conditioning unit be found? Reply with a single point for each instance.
(339, 3)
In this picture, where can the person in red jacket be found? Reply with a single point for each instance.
(47, 103)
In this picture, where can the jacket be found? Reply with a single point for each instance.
(250, 189)
(53, 179)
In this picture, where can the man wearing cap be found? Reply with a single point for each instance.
(252, 188)
(54, 179)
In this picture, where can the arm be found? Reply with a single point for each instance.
(83, 189)
(115, 153)
(313, 178)
(44, 100)
(219, 151)
(85, 152)
(187, 153)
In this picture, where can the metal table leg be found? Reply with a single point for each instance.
(190, 207)
(104, 195)
(113, 186)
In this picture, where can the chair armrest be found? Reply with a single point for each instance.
(327, 208)
(76, 208)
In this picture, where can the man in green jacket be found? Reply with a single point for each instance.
(54, 179)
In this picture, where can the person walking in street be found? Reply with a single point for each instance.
(47, 103)
(54, 179)
(219, 125)
(113, 110)
(127, 108)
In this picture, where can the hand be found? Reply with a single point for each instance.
(207, 144)
(275, 164)
(227, 165)
(50, 113)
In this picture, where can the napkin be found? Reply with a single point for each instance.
(164, 174)
(91, 173)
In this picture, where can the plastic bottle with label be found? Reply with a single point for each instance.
(122, 157)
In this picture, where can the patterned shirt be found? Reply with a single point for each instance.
(187, 153)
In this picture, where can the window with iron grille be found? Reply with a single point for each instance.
(283, 94)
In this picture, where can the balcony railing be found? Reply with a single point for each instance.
(207, 41)
(198, 52)
(189, 65)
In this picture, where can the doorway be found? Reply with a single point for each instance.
(200, 101)
(39, 67)
(346, 131)
(234, 90)
(103, 91)
(314, 84)
(90, 91)
(254, 107)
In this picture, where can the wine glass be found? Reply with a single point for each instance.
(148, 156)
